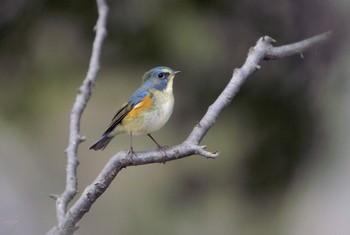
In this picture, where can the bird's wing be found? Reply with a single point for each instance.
(118, 117)
(136, 102)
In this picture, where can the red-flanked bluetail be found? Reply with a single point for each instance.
(147, 110)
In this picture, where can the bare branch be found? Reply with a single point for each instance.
(262, 50)
(296, 48)
(83, 96)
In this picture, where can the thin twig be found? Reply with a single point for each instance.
(296, 48)
(83, 96)
(262, 50)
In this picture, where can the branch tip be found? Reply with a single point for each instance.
(268, 39)
(54, 196)
(82, 138)
(200, 150)
(212, 155)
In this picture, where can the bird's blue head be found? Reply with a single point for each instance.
(159, 78)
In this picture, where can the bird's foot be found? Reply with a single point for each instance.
(131, 152)
(162, 148)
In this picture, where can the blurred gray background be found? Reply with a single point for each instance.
(284, 165)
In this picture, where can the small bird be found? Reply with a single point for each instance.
(147, 110)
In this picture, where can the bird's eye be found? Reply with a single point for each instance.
(160, 75)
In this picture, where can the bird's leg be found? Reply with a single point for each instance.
(158, 145)
(161, 148)
(131, 150)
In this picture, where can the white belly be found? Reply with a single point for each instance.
(158, 117)
(152, 119)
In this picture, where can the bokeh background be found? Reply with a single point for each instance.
(284, 166)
